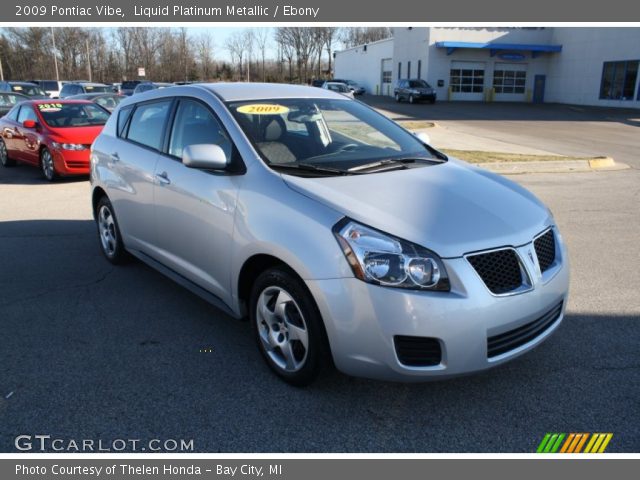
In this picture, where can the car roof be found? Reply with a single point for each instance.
(230, 92)
(88, 84)
(11, 82)
(81, 96)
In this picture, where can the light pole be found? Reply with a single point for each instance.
(55, 55)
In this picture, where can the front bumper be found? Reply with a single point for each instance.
(362, 319)
(71, 162)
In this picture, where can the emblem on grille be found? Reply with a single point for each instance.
(530, 254)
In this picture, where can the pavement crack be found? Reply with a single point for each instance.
(39, 295)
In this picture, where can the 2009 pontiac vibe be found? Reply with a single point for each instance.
(344, 238)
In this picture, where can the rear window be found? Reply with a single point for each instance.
(123, 116)
(9, 99)
(62, 115)
(147, 123)
(129, 85)
(49, 85)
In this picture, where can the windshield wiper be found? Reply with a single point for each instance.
(392, 164)
(307, 167)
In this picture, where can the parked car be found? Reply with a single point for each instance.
(53, 135)
(78, 88)
(108, 101)
(414, 90)
(31, 90)
(339, 88)
(353, 86)
(51, 87)
(128, 86)
(146, 86)
(344, 238)
(317, 83)
(9, 100)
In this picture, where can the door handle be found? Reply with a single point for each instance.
(163, 178)
(115, 157)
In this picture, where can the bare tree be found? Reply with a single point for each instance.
(262, 39)
(352, 36)
(205, 47)
(236, 46)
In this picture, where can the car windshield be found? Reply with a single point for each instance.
(60, 115)
(326, 133)
(29, 90)
(97, 88)
(50, 85)
(418, 84)
(129, 85)
(9, 100)
(338, 87)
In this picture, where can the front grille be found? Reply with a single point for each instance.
(76, 164)
(499, 344)
(500, 270)
(418, 351)
(545, 246)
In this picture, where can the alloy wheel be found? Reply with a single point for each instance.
(107, 229)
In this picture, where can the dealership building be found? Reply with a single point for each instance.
(575, 65)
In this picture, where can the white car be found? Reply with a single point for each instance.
(339, 87)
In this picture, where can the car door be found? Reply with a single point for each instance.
(131, 158)
(9, 124)
(194, 209)
(26, 140)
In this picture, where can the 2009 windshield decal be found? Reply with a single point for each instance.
(263, 109)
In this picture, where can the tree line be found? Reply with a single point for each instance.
(283, 54)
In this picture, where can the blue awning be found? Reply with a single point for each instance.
(495, 48)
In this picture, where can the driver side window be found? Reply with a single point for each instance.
(195, 124)
(26, 113)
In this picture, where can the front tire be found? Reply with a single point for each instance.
(412, 100)
(4, 155)
(109, 235)
(288, 327)
(397, 96)
(48, 168)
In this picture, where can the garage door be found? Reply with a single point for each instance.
(387, 76)
(466, 80)
(509, 82)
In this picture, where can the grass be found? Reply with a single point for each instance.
(416, 124)
(474, 156)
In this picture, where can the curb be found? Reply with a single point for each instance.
(561, 166)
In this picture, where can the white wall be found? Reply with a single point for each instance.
(574, 76)
(364, 66)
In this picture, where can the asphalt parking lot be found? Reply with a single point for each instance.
(93, 351)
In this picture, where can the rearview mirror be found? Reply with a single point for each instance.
(29, 124)
(209, 156)
(423, 137)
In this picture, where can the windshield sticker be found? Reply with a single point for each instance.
(263, 109)
(17, 88)
(50, 107)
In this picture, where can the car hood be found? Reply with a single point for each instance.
(451, 208)
(83, 135)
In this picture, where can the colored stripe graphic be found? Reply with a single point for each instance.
(574, 443)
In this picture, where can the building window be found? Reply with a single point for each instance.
(619, 80)
(386, 76)
(466, 80)
(508, 81)
(408, 69)
(419, 68)
(399, 70)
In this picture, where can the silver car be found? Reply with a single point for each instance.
(345, 239)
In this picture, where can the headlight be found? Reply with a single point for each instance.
(382, 259)
(68, 146)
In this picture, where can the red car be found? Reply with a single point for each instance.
(55, 135)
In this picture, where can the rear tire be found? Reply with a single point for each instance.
(288, 327)
(412, 100)
(109, 235)
(4, 155)
(397, 96)
(47, 165)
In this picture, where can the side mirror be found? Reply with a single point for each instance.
(209, 156)
(423, 137)
(29, 124)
